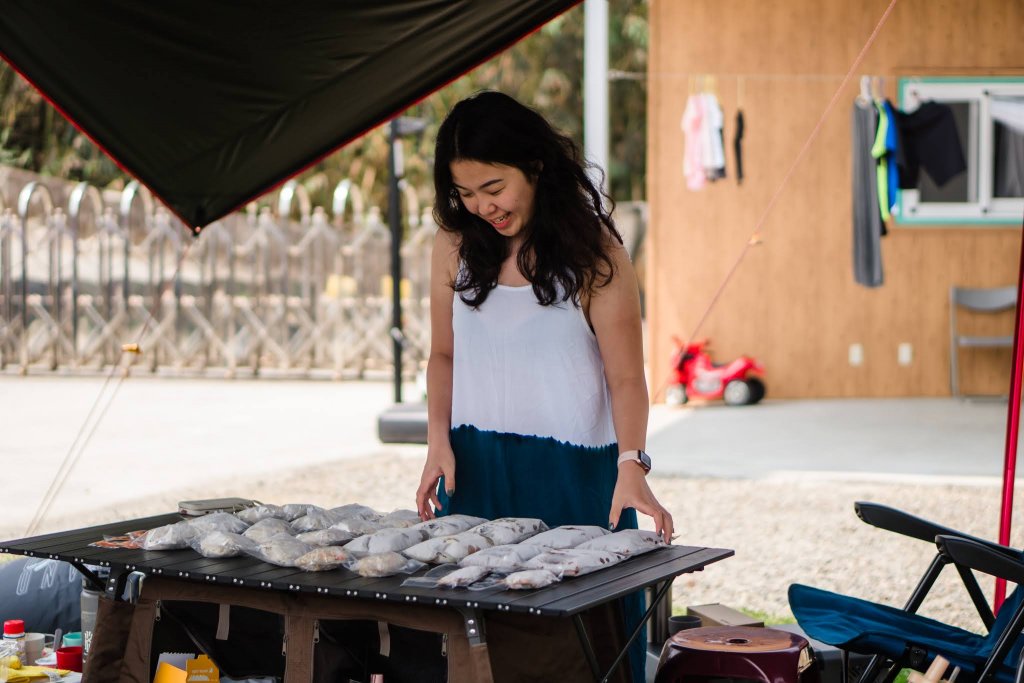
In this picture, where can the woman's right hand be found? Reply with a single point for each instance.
(440, 461)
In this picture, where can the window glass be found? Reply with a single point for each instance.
(957, 189)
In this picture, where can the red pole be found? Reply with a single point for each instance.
(1012, 428)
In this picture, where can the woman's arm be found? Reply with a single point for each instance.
(614, 313)
(440, 458)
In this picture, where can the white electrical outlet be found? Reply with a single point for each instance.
(905, 353)
(856, 355)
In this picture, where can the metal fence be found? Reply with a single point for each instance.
(295, 290)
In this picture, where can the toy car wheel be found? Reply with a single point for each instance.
(757, 389)
(675, 395)
(737, 393)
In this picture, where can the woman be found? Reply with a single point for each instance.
(537, 402)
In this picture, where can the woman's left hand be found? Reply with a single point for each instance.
(632, 491)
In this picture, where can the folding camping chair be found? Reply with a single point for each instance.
(900, 638)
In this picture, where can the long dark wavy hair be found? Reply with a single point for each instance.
(564, 248)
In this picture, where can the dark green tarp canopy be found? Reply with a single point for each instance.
(212, 103)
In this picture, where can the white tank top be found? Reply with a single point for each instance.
(527, 369)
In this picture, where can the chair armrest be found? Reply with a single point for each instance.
(900, 522)
(998, 561)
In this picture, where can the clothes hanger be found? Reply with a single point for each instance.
(865, 90)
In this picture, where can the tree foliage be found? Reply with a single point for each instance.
(544, 70)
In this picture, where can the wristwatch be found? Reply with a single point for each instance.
(639, 457)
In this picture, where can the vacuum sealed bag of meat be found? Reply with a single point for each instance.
(266, 529)
(292, 511)
(282, 550)
(449, 525)
(502, 558)
(219, 521)
(326, 537)
(323, 559)
(445, 549)
(384, 564)
(386, 540)
(314, 520)
(568, 536)
(360, 527)
(463, 577)
(260, 512)
(169, 537)
(400, 519)
(626, 543)
(510, 529)
(530, 578)
(222, 544)
(574, 561)
(354, 511)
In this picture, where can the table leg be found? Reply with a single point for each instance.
(588, 649)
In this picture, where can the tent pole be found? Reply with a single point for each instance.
(395, 172)
(1012, 427)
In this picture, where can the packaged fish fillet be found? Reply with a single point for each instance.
(568, 536)
(627, 543)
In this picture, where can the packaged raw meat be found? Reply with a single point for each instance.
(568, 536)
(218, 521)
(255, 514)
(222, 544)
(502, 558)
(626, 543)
(449, 525)
(354, 511)
(292, 511)
(574, 561)
(314, 520)
(463, 577)
(323, 559)
(266, 529)
(398, 519)
(386, 540)
(169, 537)
(448, 548)
(510, 529)
(282, 550)
(360, 527)
(384, 564)
(530, 578)
(326, 537)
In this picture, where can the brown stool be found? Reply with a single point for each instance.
(757, 654)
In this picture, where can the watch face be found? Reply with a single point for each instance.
(645, 460)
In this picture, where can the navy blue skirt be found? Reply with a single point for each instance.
(509, 475)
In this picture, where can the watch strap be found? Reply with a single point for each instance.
(634, 456)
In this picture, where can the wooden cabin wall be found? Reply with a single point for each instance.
(793, 302)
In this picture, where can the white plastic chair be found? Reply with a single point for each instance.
(989, 300)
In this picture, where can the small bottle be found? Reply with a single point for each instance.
(14, 632)
(90, 603)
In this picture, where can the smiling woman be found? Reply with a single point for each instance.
(536, 395)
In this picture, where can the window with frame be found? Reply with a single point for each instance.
(989, 116)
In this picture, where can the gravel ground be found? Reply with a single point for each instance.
(783, 531)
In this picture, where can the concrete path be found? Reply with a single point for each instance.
(890, 438)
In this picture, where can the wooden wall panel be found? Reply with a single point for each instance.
(793, 302)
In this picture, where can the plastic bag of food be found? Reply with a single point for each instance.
(447, 548)
(266, 529)
(326, 537)
(384, 564)
(292, 511)
(568, 536)
(626, 543)
(354, 511)
(282, 550)
(221, 544)
(260, 512)
(502, 558)
(323, 559)
(218, 521)
(386, 540)
(169, 537)
(510, 529)
(449, 525)
(530, 578)
(314, 520)
(463, 577)
(399, 519)
(360, 527)
(574, 561)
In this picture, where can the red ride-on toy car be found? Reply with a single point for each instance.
(696, 376)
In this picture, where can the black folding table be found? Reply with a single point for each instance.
(567, 599)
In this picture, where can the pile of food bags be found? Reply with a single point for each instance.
(471, 552)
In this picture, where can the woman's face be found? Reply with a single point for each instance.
(499, 194)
